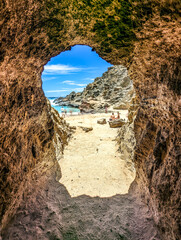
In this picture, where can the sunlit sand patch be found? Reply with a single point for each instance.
(91, 164)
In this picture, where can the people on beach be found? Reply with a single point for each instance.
(81, 110)
(112, 117)
(105, 109)
(70, 112)
(118, 116)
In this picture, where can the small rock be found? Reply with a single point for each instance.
(87, 129)
(101, 121)
(116, 123)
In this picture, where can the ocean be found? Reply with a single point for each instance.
(58, 107)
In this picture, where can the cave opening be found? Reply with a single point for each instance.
(145, 35)
(98, 158)
(71, 71)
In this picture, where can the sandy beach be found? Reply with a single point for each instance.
(91, 164)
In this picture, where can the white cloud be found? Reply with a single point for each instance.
(60, 69)
(68, 82)
(74, 84)
(78, 89)
(44, 79)
(81, 85)
(65, 90)
(61, 90)
(89, 79)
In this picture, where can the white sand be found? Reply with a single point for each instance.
(91, 163)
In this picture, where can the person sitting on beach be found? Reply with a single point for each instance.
(112, 117)
(81, 110)
(118, 116)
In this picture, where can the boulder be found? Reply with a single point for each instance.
(117, 123)
(87, 129)
(101, 121)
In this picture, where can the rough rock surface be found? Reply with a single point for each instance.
(101, 121)
(87, 129)
(62, 131)
(114, 88)
(143, 35)
(116, 123)
(127, 142)
(157, 125)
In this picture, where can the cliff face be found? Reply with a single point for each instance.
(114, 88)
(143, 35)
(157, 125)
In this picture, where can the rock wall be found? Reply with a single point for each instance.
(114, 88)
(62, 131)
(157, 125)
(143, 35)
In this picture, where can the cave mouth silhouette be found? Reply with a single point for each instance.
(91, 164)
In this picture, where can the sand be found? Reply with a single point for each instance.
(91, 164)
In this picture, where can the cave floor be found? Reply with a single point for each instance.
(51, 211)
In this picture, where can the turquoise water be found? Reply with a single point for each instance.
(58, 107)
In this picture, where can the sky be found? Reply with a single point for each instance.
(72, 71)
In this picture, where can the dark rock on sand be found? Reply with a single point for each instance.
(116, 123)
(102, 121)
(87, 129)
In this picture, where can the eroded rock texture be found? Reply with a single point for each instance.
(158, 126)
(144, 35)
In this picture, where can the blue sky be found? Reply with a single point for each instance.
(72, 71)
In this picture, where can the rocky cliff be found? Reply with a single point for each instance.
(114, 89)
(142, 35)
